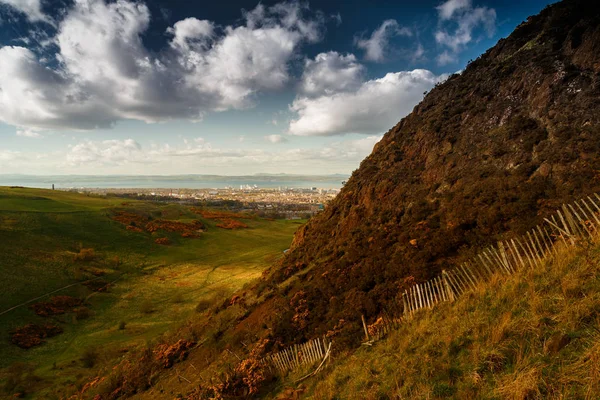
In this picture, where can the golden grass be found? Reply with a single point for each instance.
(533, 335)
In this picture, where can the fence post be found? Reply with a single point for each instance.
(447, 286)
(365, 327)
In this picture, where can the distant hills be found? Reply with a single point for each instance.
(190, 181)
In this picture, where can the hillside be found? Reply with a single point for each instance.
(486, 154)
(91, 268)
(533, 335)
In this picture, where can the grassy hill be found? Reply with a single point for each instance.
(533, 335)
(52, 239)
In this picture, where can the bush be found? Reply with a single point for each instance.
(122, 325)
(203, 305)
(89, 357)
(85, 255)
(163, 241)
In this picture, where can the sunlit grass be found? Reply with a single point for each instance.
(41, 232)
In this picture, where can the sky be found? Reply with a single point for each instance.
(234, 87)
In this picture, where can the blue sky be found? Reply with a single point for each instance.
(236, 87)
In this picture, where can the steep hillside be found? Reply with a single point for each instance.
(534, 335)
(489, 151)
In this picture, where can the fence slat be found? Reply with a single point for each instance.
(591, 212)
(575, 228)
(434, 289)
(458, 287)
(460, 275)
(429, 297)
(581, 221)
(529, 245)
(443, 289)
(496, 265)
(426, 293)
(566, 227)
(468, 273)
(502, 250)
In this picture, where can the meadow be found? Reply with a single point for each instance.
(139, 289)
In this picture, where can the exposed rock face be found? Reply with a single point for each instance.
(485, 155)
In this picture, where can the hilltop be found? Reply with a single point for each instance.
(486, 154)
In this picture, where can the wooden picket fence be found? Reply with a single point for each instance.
(571, 224)
(299, 355)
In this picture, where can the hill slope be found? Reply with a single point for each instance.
(61, 243)
(533, 335)
(489, 151)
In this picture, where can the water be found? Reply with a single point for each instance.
(173, 182)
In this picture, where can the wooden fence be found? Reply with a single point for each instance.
(571, 224)
(293, 357)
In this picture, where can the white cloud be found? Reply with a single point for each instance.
(446, 58)
(110, 152)
(31, 8)
(275, 139)
(130, 157)
(464, 19)
(447, 9)
(28, 133)
(376, 47)
(375, 106)
(105, 74)
(191, 33)
(418, 53)
(330, 73)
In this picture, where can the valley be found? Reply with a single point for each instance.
(146, 290)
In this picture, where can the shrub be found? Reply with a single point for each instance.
(85, 255)
(32, 335)
(231, 224)
(122, 325)
(89, 357)
(203, 305)
(163, 241)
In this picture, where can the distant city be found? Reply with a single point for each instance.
(273, 196)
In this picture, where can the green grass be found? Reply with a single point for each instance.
(41, 231)
(534, 335)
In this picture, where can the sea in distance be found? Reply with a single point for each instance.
(174, 181)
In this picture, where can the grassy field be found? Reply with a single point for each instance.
(155, 287)
(533, 335)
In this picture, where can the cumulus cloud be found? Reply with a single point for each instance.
(275, 139)
(458, 21)
(373, 107)
(330, 73)
(28, 133)
(105, 74)
(191, 33)
(377, 45)
(31, 8)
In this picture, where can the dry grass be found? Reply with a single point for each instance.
(534, 335)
